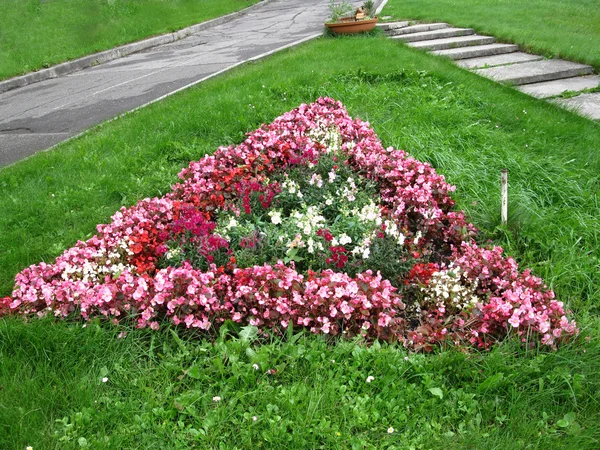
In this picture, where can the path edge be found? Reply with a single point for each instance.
(105, 56)
(169, 94)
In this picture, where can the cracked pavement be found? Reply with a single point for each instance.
(40, 115)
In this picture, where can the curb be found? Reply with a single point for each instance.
(380, 7)
(187, 86)
(118, 52)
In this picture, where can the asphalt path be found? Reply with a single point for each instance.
(38, 116)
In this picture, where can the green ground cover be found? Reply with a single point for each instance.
(555, 28)
(35, 34)
(467, 127)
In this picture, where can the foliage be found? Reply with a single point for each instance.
(339, 10)
(369, 6)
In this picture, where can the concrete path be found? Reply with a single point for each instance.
(531, 74)
(37, 116)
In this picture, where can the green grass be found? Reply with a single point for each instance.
(555, 28)
(38, 33)
(160, 389)
(467, 127)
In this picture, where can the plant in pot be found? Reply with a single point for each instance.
(344, 19)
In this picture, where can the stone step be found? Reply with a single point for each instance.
(419, 28)
(477, 51)
(435, 34)
(454, 42)
(585, 104)
(392, 25)
(557, 87)
(498, 60)
(535, 71)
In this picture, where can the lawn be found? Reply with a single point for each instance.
(160, 386)
(39, 33)
(567, 29)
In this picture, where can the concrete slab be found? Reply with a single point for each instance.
(498, 60)
(419, 28)
(536, 71)
(454, 42)
(435, 34)
(393, 25)
(476, 51)
(585, 104)
(557, 87)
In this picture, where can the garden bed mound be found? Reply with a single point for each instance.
(308, 223)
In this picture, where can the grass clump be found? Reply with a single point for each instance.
(467, 127)
(35, 34)
(557, 29)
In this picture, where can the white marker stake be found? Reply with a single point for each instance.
(504, 196)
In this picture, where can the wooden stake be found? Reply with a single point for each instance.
(504, 196)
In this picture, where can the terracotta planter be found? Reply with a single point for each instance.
(349, 27)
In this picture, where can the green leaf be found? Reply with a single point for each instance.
(249, 333)
(567, 420)
(437, 392)
(194, 372)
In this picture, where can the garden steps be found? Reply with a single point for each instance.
(435, 34)
(413, 29)
(476, 51)
(531, 74)
(585, 104)
(535, 71)
(552, 88)
(497, 60)
(389, 26)
(452, 42)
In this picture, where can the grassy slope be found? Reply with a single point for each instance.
(556, 28)
(35, 34)
(468, 127)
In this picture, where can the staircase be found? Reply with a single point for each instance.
(531, 74)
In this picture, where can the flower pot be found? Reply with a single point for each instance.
(349, 27)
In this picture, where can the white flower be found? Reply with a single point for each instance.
(316, 180)
(255, 366)
(345, 239)
(417, 237)
(370, 378)
(232, 223)
(390, 430)
(329, 202)
(275, 217)
(366, 252)
(216, 398)
(105, 379)
(332, 176)
(173, 253)
(254, 418)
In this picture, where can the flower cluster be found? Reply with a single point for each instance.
(309, 222)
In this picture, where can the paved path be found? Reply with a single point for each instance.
(35, 117)
(531, 74)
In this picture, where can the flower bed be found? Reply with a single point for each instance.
(311, 223)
